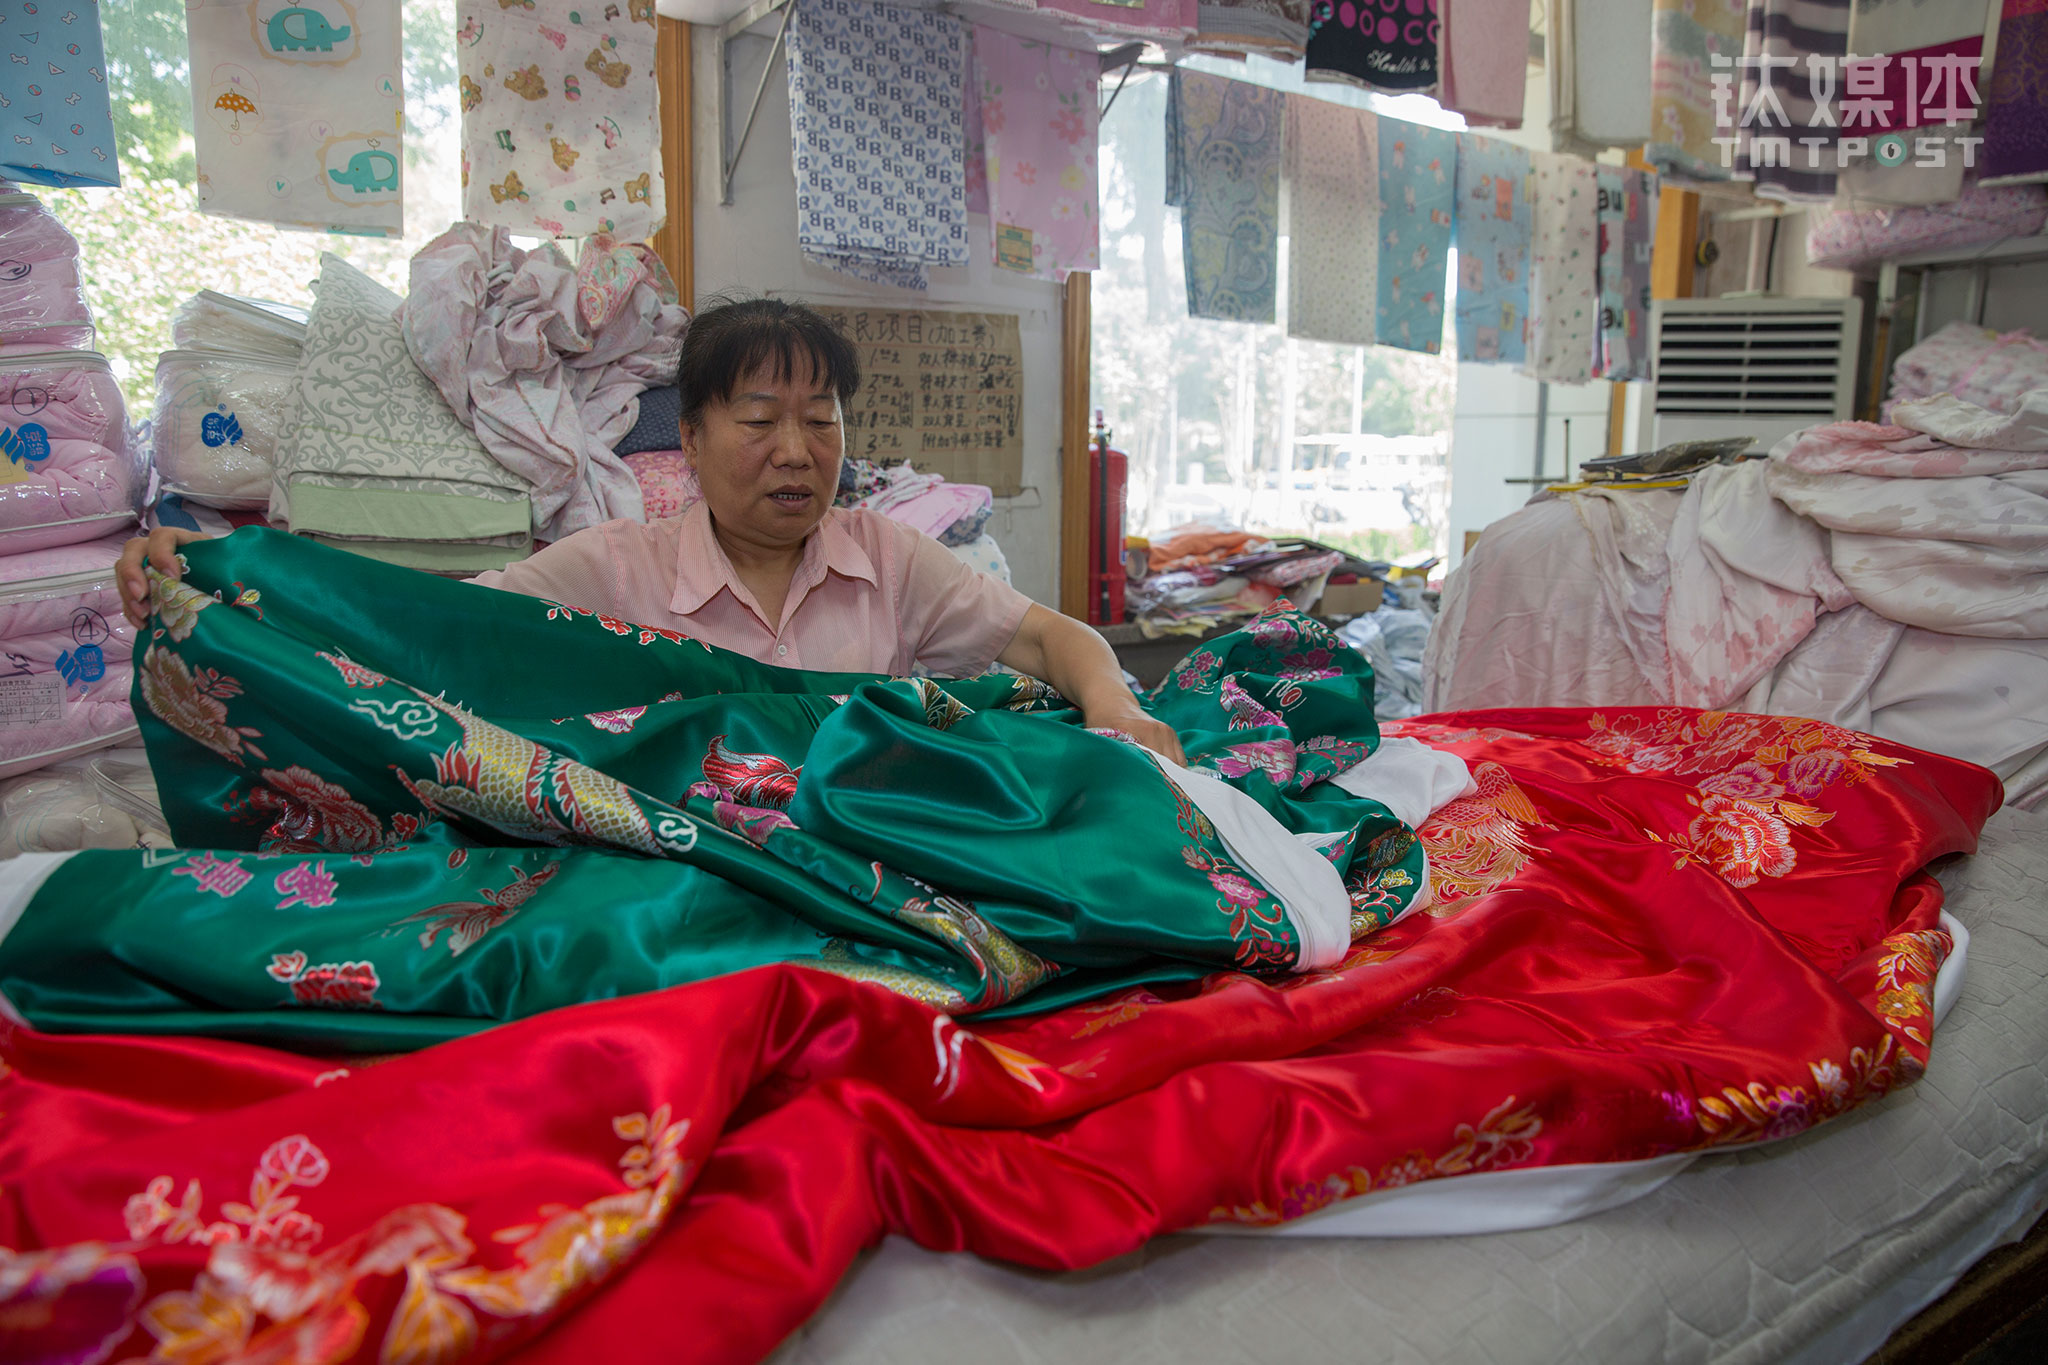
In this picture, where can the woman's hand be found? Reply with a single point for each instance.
(1081, 665)
(160, 549)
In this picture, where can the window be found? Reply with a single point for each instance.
(146, 248)
(1239, 423)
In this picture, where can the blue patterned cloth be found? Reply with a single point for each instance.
(56, 122)
(1223, 173)
(1418, 187)
(876, 96)
(1495, 231)
(661, 415)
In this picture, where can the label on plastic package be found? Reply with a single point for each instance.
(31, 699)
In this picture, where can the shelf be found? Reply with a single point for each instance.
(2006, 250)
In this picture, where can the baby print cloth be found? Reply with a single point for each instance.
(1377, 44)
(296, 113)
(879, 132)
(1495, 233)
(559, 118)
(1483, 60)
(1418, 175)
(1333, 202)
(2016, 100)
(1685, 36)
(1038, 121)
(1223, 173)
(56, 127)
(1563, 293)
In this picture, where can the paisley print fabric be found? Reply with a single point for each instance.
(1223, 142)
(878, 122)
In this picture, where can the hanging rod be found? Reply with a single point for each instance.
(729, 151)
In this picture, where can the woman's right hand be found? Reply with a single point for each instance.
(160, 549)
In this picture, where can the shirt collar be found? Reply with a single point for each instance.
(702, 568)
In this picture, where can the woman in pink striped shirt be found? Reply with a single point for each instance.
(765, 565)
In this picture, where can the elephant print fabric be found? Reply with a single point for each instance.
(296, 111)
(558, 118)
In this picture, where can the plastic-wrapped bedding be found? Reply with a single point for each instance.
(67, 473)
(64, 655)
(213, 321)
(1848, 239)
(219, 418)
(42, 295)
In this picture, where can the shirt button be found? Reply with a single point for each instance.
(782, 649)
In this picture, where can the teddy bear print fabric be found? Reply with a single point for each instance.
(296, 111)
(559, 117)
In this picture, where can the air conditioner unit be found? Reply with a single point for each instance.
(1748, 367)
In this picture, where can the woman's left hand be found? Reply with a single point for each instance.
(1155, 735)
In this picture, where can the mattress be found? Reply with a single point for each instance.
(1810, 1250)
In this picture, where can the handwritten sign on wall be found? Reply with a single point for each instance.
(943, 390)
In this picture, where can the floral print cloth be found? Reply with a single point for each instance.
(1628, 234)
(1223, 173)
(1333, 205)
(1418, 170)
(558, 123)
(1685, 36)
(878, 126)
(1038, 125)
(296, 113)
(1563, 299)
(1494, 232)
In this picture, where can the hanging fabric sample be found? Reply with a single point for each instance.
(1483, 60)
(1685, 38)
(2016, 98)
(1385, 45)
(1495, 233)
(1792, 53)
(56, 124)
(1418, 170)
(560, 133)
(1912, 93)
(1039, 124)
(297, 110)
(1333, 206)
(1628, 216)
(1610, 71)
(976, 140)
(1223, 173)
(1163, 21)
(1563, 289)
(877, 119)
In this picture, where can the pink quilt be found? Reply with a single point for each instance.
(64, 655)
(67, 473)
(42, 298)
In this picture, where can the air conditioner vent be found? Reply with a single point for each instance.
(1752, 366)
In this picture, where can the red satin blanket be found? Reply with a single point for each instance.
(1650, 931)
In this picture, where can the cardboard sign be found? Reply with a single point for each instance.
(943, 390)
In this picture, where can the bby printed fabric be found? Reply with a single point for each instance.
(56, 127)
(1038, 126)
(1628, 233)
(1494, 233)
(296, 113)
(1377, 44)
(879, 131)
(559, 118)
(1563, 294)
(1223, 173)
(1418, 169)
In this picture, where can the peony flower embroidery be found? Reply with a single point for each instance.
(311, 815)
(1806, 774)
(1745, 782)
(1273, 757)
(195, 705)
(1744, 841)
(1234, 889)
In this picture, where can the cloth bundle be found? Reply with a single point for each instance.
(546, 361)
(668, 486)
(1277, 29)
(297, 113)
(1223, 141)
(658, 425)
(42, 291)
(1038, 144)
(375, 461)
(64, 654)
(213, 321)
(1991, 369)
(560, 130)
(67, 471)
(952, 513)
(878, 129)
(1850, 238)
(219, 418)
(2016, 100)
(1496, 234)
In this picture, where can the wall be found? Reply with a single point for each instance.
(750, 246)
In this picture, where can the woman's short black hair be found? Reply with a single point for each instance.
(733, 338)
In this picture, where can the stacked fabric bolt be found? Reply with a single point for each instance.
(70, 483)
